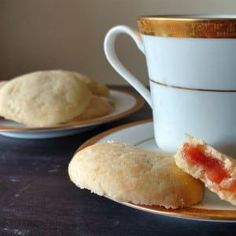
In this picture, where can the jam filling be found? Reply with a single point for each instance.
(213, 168)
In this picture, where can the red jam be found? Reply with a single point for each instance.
(213, 168)
(232, 187)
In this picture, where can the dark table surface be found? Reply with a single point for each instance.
(37, 197)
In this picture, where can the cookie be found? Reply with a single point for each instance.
(97, 89)
(216, 170)
(126, 173)
(44, 98)
(97, 107)
(2, 83)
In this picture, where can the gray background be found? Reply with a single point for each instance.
(68, 34)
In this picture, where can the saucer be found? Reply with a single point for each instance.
(125, 103)
(141, 134)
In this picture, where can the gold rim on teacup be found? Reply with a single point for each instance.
(188, 26)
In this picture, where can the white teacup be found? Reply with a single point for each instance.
(192, 70)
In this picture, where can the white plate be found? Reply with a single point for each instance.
(141, 134)
(124, 104)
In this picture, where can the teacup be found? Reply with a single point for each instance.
(191, 64)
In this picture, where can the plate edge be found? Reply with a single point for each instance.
(99, 136)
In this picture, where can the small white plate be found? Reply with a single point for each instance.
(125, 103)
(141, 134)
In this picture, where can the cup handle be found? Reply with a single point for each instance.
(109, 48)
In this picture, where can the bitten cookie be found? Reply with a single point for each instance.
(43, 98)
(126, 173)
(216, 170)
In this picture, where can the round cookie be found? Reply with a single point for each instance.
(127, 173)
(95, 87)
(97, 107)
(2, 83)
(43, 98)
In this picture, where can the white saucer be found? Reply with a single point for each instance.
(141, 134)
(124, 105)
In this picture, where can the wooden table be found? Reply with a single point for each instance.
(37, 197)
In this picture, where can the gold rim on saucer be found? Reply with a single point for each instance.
(188, 26)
